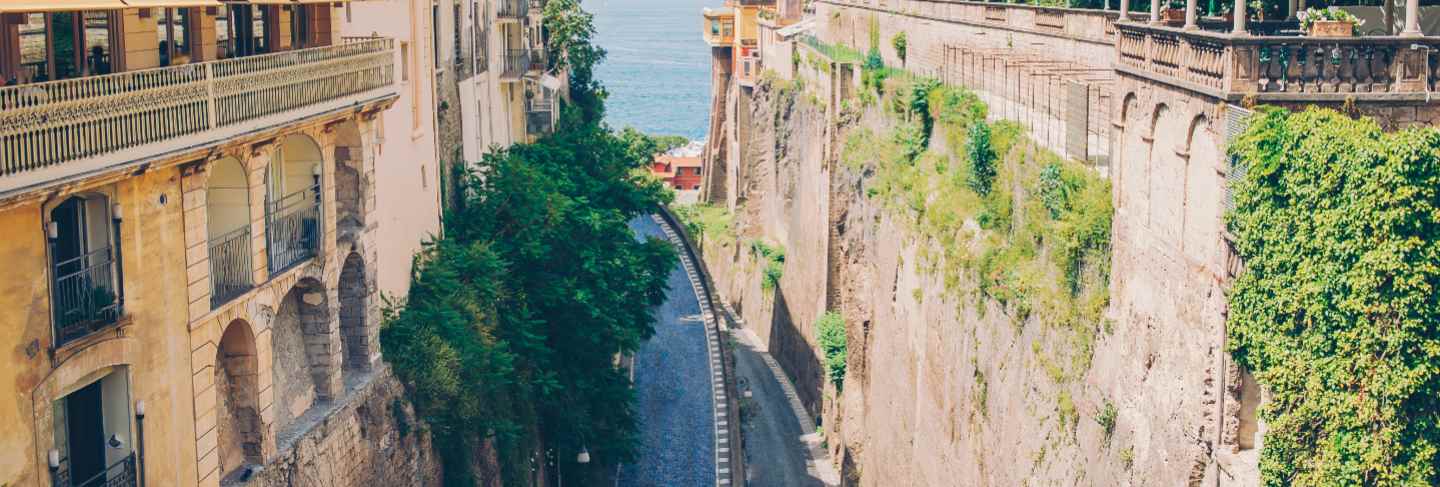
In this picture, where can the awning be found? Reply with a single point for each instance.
(18, 6)
(721, 12)
(172, 3)
(797, 28)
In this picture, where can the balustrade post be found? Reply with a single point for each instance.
(1124, 10)
(1290, 10)
(1155, 11)
(1190, 14)
(210, 101)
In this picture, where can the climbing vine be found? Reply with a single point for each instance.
(1337, 312)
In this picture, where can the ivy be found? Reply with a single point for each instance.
(1337, 311)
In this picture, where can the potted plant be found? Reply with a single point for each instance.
(1328, 22)
(1258, 9)
(1174, 12)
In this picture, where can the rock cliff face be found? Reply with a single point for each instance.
(940, 389)
(372, 439)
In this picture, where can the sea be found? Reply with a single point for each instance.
(658, 67)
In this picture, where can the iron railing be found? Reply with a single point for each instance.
(230, 268)
(536, 58)
(292, 228)
(512, 9)
(86, 295)
(516, 62)
(118, 474)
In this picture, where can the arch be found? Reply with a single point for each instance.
(293, 202)
(354, 317)
(1127, 109)
(302, 349)
(349, 217)
(239, 430)
(85, 289)
(1204, 195)
(1166, 181)
(227, 209)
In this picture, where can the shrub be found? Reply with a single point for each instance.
(982, 159)
(830, 333)
(1106, 419)
(899, 43)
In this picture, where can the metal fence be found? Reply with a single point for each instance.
(122, 473)
(86, 295)
(1064, 105)
(230, 267)
(292, 228)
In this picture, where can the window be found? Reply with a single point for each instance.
(456, 32)
(92, 432)
(84, 272)
(435, 33)
(299, 26)
(172, 27)
(404, 61)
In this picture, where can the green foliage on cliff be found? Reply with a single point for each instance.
(1337, 311)
(981, 176)
(899, 42)
(706, 221)
(830, 333)
(773, 258)
(1004, 243)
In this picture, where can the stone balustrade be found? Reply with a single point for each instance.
(44, 126)
(1280, 68)
(1080, 24)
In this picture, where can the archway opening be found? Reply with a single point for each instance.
(227, 206)
(84, 266)
(292, 207)
(302, 348)
(237, 411)
(354, 330)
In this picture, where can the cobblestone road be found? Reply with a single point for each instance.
(673, 388)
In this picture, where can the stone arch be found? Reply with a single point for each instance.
(80, 368)
(1204, 194)
(355, 320)
(303, 351)
(239, 430)
(293, 203)
(349, 212)
(1166, 174)
(1135, 149)
(1127, 110)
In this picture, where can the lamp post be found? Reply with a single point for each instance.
(140, 440)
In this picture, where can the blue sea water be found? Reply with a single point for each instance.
(658, 67)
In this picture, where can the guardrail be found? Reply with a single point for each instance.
(515, 63)
(512, 9)
(292, 228)
(86, 295)
(47, 124)
(230, 267)
(1075, 23)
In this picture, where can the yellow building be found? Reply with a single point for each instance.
(187, 193)
(734, 33)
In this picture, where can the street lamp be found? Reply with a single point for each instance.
(584, 456)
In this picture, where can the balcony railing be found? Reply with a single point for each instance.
(1280, 68)
(536, 59)
(1073, 23)
(292, 228)
(86, 295)
(45, 125)
(512, 9)
(230, 266)
(118, 474)
(515, 64)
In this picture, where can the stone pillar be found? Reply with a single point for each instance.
(1412, 19)
(1124, 10)
(1190, 15)
(1155, 11)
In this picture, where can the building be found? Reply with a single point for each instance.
(189, 193)
(681, 169)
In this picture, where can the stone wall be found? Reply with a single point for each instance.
(371, 438)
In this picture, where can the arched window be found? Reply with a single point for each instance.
(227, 205)
(292, 209)
(85, 270)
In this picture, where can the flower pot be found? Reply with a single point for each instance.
(1332, 28)
(1173, 16)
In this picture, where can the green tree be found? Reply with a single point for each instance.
(899, 43)
(830, 333)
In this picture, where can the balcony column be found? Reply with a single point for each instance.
(1190, 14)
(1124, 10)
(1155, 11)
(1240, 17)
(1290, 10)
(1412, 19)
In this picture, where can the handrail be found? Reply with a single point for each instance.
(47, 124)
(86, 296)
(292, 228)
(230, 266)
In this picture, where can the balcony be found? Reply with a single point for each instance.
(515, 64)
(719, 28)
(536, 61)
(230, 266)
(62, 129)
(292, 228)
(85, 290)
(1281, 69)
(119, 474)
(511, 10)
